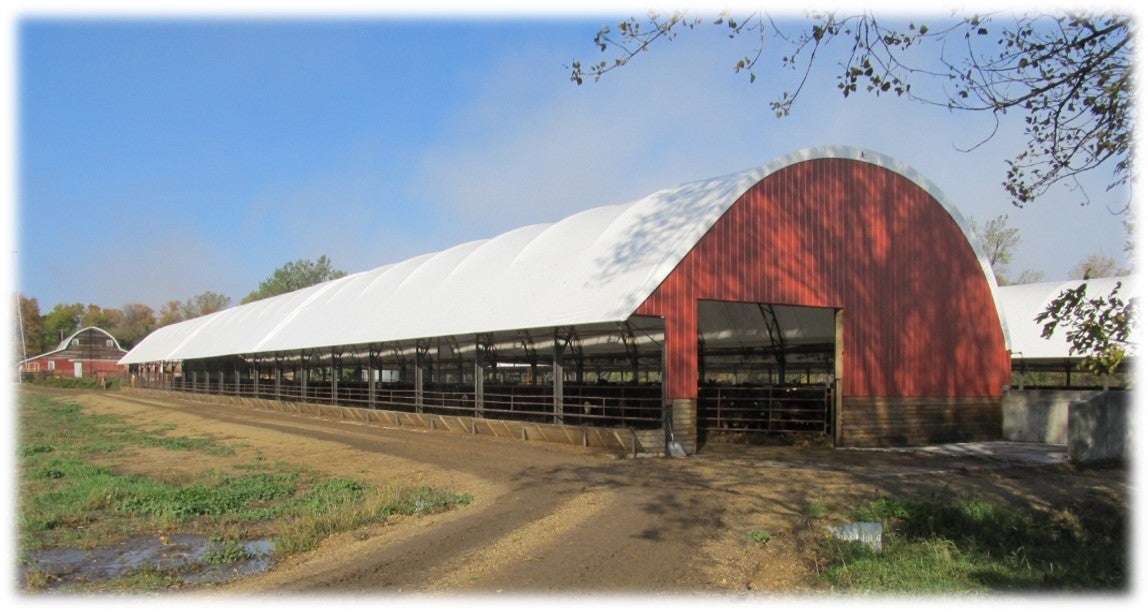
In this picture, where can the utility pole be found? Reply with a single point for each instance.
(20, 323)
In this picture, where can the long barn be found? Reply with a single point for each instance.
(832, 292)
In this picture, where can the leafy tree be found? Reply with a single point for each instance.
(999, 241)
(170, 312)
(29, 328)
(174, 311)
(103, 318)
(293, 276)
(61, 322)
(138, 320)
(1098, 328)
(203, 304)
(1096, 265)
(1069, 75)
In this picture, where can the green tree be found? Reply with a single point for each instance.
(61, 322)
(174, 311)
(29, 327)
(203, 304)
(1070, 75)
(293, 276)
(1096, 265)
(137, 321)
(170, 312)
(999, 241)
(103, 318)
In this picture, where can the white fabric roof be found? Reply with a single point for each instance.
(1020, 304)
(595, 266)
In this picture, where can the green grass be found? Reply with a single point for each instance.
(970, 545)
(70, 497)
(322, 515)
(758, 536)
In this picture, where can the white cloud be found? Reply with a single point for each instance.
(530, 148)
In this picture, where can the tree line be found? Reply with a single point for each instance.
(38, 332)
(999, 241)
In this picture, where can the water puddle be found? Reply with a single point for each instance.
(182, 555)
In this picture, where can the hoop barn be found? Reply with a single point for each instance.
(832, 292)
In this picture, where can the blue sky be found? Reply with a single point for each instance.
(159, 158)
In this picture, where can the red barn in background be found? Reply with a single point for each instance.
(90, 352)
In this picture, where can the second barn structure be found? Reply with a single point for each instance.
(832, 292)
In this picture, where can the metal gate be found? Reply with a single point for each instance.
(726, 411)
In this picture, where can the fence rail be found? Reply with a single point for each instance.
(599, 405)
(769, 409)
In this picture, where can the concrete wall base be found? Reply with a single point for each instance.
(1039, 415)
(1100, 427)
(685, 423)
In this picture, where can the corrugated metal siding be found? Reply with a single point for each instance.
(919, 314)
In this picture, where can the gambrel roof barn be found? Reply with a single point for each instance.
(90, 352)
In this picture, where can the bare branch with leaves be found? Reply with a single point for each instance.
(1069, 74)
(1097, 329)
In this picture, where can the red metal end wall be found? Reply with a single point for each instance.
(919, 316)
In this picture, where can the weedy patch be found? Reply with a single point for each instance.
(970, 545)
(759, 537)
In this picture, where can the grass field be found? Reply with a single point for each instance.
(69, 497)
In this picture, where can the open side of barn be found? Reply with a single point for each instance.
(829, 293)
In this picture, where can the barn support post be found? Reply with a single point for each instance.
(303, 376)
(334, 377)
(371, 353)
(483, 354)
(579, 359)
(237, 388)
(194, 380)
(838, 373)
(560, 343)
(278, 378)
(459, 365)
(478, 375)
(631, 344)
(420, 363)
(680, 373)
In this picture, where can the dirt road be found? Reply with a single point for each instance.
(563, 519)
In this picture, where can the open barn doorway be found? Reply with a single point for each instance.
(767, 373)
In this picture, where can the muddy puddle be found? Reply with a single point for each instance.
(191, 558)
